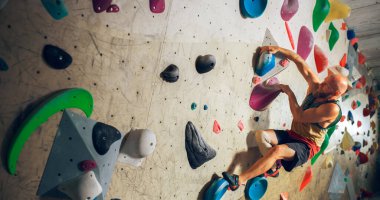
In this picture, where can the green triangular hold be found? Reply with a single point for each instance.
(358, 103)
(333, 37)
(320, 12)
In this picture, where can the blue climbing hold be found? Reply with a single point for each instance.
(252, 9)
(256, 188)
(205, 107)
(350, 34)
(3, 65)
(193, 106)
(266, 63)
(56, 8)
(350, 117)
(216, 190)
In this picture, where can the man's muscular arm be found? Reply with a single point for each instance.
(310, 77)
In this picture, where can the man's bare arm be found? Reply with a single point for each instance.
(310, 77)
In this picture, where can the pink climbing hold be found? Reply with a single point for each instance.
(87, 165)
(263, 94)
(284, 62)
(305, 42)
(289, 9)
(113, 8)
(101, 5)
(157, 6)
(321, 60)
(307, 178)
(216, 127)
(359, 123)
(290, 35)
(241, 125)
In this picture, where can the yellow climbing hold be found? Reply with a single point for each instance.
(338, 10)
(347, 141)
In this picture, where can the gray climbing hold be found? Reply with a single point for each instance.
(205, 63)
(3, 65)
(170, 74)
(83, 187)
(56, 57)
(103, 136)
(198, 151)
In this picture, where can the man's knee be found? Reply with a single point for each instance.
(261, 136)
(278, 151)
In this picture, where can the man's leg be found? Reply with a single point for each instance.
(266, 139)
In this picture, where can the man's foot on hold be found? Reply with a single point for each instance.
(232, 179)
(274, 172)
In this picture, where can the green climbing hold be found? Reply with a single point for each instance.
(320, 12)
(333, 37)
(193, 106)
(358, 103)
(70, 98)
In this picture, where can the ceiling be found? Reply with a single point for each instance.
(365, 20)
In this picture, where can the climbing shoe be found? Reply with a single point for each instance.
(232, 179)
(276, 172)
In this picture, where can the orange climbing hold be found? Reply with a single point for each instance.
(344, 26)
(343, 61)
(361, 58)
(342, 118)
(216, 127)
(354, 41)
(307, 178)
(321, 60)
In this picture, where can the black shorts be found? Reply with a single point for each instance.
(301, 149)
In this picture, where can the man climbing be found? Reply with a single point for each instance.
(318, 112)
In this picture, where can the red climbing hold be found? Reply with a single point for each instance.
(344, 26)
(256, 80)
(321, 60)
(342, 118)
(343, 61)
(361, 58)
(366, 112)
(362, 158)
(290, 35)
(241, 125)
(359, 123)
(157, 6)
(354, 41)
(87, 165)
(113, 8)
(354, 105)
(307, 178)
(216, 127)
(284, 62)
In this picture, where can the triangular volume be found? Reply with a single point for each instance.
(337, 184)
(307, 178)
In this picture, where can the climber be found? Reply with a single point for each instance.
(318, 112)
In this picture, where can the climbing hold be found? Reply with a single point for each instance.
(289, 9)
(266, 63)
(343, 61)
(359, 123)
(321, 60)
(290, 35)
(354, 105)
(307, 178)
(103, 136)
(338, 10)
(263, 94)
(56, 57)
(328, 162)
(198, 151)
(305, 42)
(366, 112)
(347, 141)
(362, 58)
(216, 128)
(373, 125)
(256, 119)
(333, 37)
(356, 46)
(358, 103)
(256, 188)
(354, 41)
(70, 98)
(3, 3)
(350, 34)
(157, 6)
(240, 125)
(205, 63)
(138, 145)
(350, 117)
(170, 74)
(85, 186)
(342, 118)
(356, 146)
(217, 189)
(284, 196)
(362, 158)
(343, 26)
(56, 8)
(320, 12)
(284, 62)
(113, 8)
(365, 143)
(193, 106)
(205, 107)
(256, 80)
(252, 9)
(3, 65)
(87, 165)
(101, 5)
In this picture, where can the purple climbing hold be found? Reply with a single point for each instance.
(101, 5)
(305, 42)
(289, 9)
(157, 6)
(113, 8)
(87, 165)
(263, 94)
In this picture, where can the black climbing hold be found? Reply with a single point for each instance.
(205, 63)
(356, 46)
(56, 57)
(103, 136)
(3, 65)
(170, 74)
(256, 119)
(198, 151)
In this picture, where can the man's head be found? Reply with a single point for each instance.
(333, 86)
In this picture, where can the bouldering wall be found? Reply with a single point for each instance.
(118, 57)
